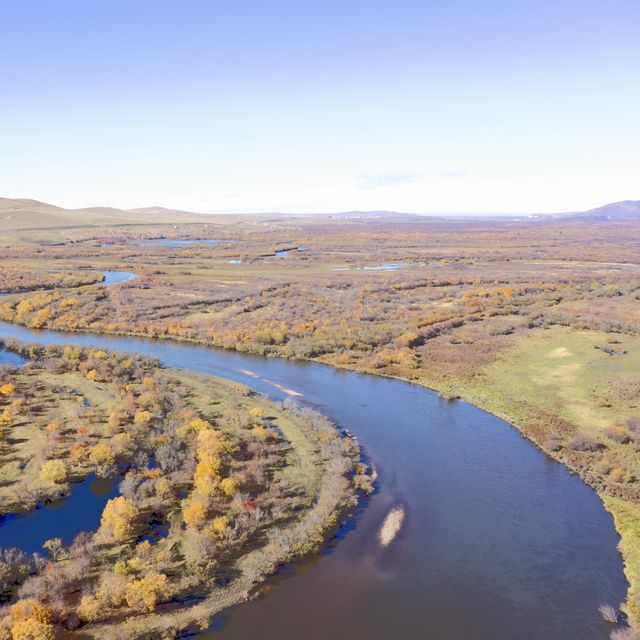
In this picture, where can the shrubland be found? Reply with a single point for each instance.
(536, 321)
(214, 492)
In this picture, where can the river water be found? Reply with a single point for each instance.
(499, 542)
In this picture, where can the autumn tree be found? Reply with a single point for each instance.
(117, 518)
(31, 620)
(194, 513)
(144, 594)
(53, 471)
(7, 389)
(228, 486)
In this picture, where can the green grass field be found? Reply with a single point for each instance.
(565, 373)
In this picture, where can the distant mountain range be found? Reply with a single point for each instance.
(21, 213)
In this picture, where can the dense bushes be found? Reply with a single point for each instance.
(200, 490)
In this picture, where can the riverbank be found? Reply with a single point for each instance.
(220, 486)
(485, 476)
(535, 403)
(552, 387)
(555, 387)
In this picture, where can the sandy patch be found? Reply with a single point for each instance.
(289, 392)
(560, 352)
(565, 370)
(391, 526)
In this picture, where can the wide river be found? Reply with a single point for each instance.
(499, 542)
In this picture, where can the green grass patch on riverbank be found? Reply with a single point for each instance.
(575, 393)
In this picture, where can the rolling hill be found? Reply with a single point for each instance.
(35, 220)
(623, 210)
(24, 214)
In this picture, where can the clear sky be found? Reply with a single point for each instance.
(329, 105)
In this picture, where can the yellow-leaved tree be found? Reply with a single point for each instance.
(53, 471)
(228, 486)
(31, 620)
(117, 518)
(144, 594)
(102, 453)
(194, 513)
(7, 389)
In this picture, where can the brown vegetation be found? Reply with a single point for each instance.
(473, 304)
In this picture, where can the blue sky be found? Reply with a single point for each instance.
(245, 106)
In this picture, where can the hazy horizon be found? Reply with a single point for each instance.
(337, 212)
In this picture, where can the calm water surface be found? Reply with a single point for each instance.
(110, 278)
(387, 266)
(81, 511)
(116, 277)
(499, 542)
(8, 357)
